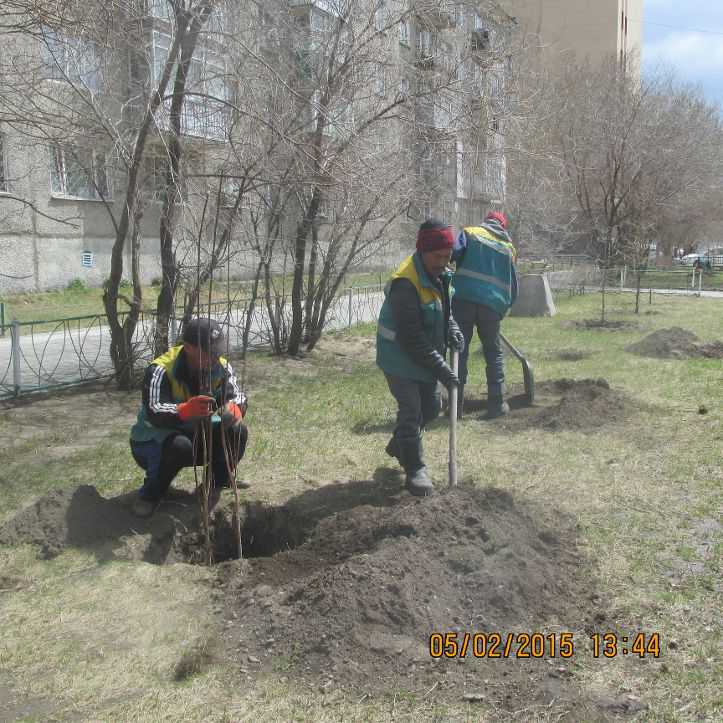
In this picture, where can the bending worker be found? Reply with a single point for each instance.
(485, 286)
(415, 327)
(164, 439)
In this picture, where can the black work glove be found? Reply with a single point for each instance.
(447, 376)
(456, 338)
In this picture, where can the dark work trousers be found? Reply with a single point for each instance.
(418, 404)
(163, 461)
(470, 315)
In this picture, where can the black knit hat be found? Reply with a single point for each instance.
(204, 333)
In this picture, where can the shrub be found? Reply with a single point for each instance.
(76, 285)
(156, 281)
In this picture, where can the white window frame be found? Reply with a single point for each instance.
(380, 81)
(404, 32)
(379, 16)
(425, 43)
(71, 59)
(200, 117)
(60, 187)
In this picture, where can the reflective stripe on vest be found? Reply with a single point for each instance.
(485, 277)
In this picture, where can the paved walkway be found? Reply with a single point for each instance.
(74, 353)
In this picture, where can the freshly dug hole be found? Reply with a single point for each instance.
(357, 601)
(80, 517)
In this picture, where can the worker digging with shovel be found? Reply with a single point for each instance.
(485, 287)
(414, 330)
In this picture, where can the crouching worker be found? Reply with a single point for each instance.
(414, 329)
(164, 439)
(485, 286)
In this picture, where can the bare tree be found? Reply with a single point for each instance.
(625, 155)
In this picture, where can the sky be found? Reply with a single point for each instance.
(686, 35)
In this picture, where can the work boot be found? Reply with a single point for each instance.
(392, 448)
(496, 407)
(496, 404)
(417, 479)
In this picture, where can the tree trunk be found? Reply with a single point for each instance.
(297, 287)
(169, 269)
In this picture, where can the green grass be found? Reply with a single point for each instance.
(76, 301)
(643, 493)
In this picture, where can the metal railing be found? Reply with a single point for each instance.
(49, 354)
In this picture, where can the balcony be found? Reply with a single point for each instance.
(334, 8)
(436, 13)
(426, 50)
(480, 45)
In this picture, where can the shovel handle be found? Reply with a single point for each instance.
(453, 424)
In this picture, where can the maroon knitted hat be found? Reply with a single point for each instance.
(498, 216)
(434, 236)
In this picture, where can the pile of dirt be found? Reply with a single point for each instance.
(577, 404)
(354, 606)
(343, 585)
(80, 517)
(676, 343)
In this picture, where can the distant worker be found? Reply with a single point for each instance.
(415, 328)
(485, 286)
(164, 438)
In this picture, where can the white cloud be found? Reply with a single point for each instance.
(694, 55)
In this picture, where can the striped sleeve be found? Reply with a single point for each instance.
(157, 398)
(233, 392)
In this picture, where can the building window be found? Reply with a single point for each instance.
(71, 59)
(404, 31)
(424, 44)
(4, 186)
(326, 212)
(86, 259)
(404, 87)
(160, 9)
(205, 110)
(380, 81)
(81, 174)
(379, 17)
(320, 21)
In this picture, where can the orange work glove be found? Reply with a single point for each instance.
(232, 414)
(196, 408)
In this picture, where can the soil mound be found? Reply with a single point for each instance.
(343, 586)
(580, 404)
(354, 605)
(80, 517)
(675, 343)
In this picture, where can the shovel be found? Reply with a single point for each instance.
(453, 425)
(527, 374)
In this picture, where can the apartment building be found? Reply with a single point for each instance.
(71, 101)
(583, 29)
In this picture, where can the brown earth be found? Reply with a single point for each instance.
(598, 324)
(562, 404)
(570, 355)
(353, 607)
(676, 343)
(344, 584)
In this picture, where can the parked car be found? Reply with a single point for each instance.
(690, 259)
